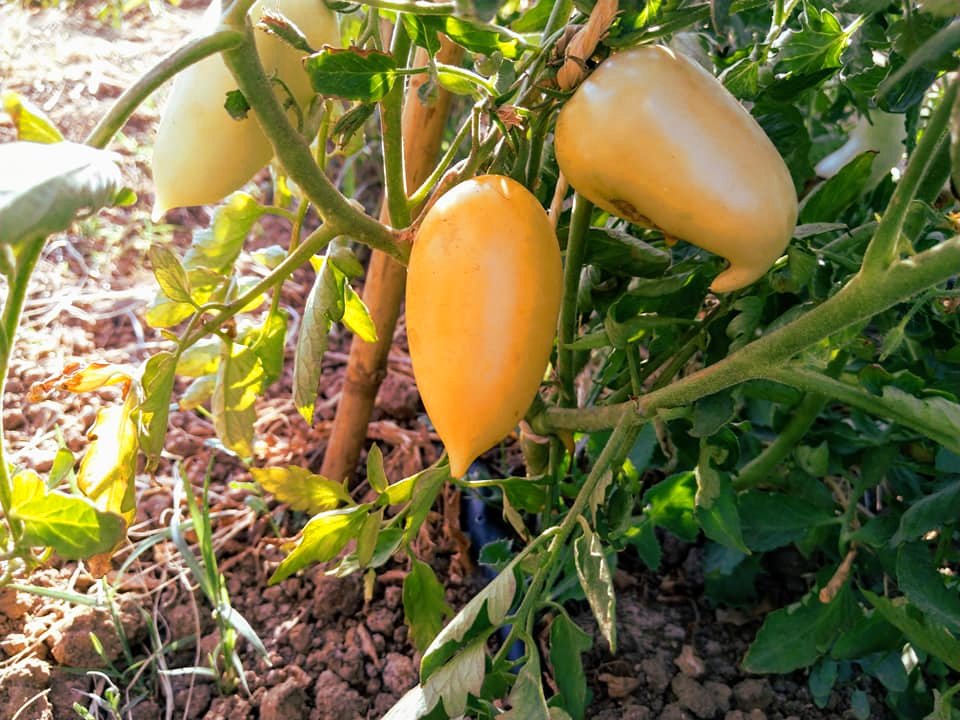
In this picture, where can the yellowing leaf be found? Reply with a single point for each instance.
(77, 378)
(301, 489)
(109, 466)
(69, 524)
(322, 539)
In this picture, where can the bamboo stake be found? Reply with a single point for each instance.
(385, 281)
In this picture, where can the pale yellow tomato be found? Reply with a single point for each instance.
(483, 293)
(201, 154)
(654, 138)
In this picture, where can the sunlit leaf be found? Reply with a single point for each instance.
(44, 186)
(218, 247)
(424, 604)
(321, 539)
(239, 382)
(461, 676)
(356, 316)
(352, 74)
(31, 122)
(325, 306)
(109, 466)
(301, 489)
(71, 525)
(170, 273)
(156, 386)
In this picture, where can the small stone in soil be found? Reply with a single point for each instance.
(694, 697)
(284, 701)
(752, 693)
(658, 677)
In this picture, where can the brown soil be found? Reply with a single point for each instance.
(331, 653)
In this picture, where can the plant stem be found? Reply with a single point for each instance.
(180, 59)
(858, 397)
(423, 192)
(415, 7)
(860, 299)
(315, 242)
(567, 323)
(17, 283)
(619, 444)
(391, 135)
(802, 417)
(884, 246)
(294, 152)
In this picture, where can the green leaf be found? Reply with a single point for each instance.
(567, 644)
(772, 520)
(218, 247)
(597, 583)
(325, 306)
(156, 381)
(170, 274)
(477, 37)
(375, 472)
(201, 358)
(711, 413)
(527, 701)
(71, 525)
(716, 503)
(955, 142)
(322, 539)
(43, 187)
(670, 504)
(644, 538)
(922, 631)
(742, 78)
(269, 343)
(426, 485)
(929, 513)
(487, 609)
(164, 312)
(830, 198)
(870, 634)
(197, 392)
(795, 637)
(936, 417)
(817, 46)
(924, 586)
(620, 253)
(368, 537)
(461, 676)
(356, 316)
(31, 122)
(352, 74)
(301, 489)
(239, 382)
(424, 604)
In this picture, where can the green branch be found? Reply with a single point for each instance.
(884, 246)
(567, 322)
(183, 57)
(859, 300)
(391, 135)
(315, 242)
(17, 283)
(414, 7)
(812, 381)
(802, 417)
(293, 151)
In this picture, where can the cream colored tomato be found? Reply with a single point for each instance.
(201, 154)
(483, 293)
(654, 138)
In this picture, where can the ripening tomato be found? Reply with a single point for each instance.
(482, 298)
(654, 138)
(201, 154)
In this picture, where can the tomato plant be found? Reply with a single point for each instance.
(733, 350)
